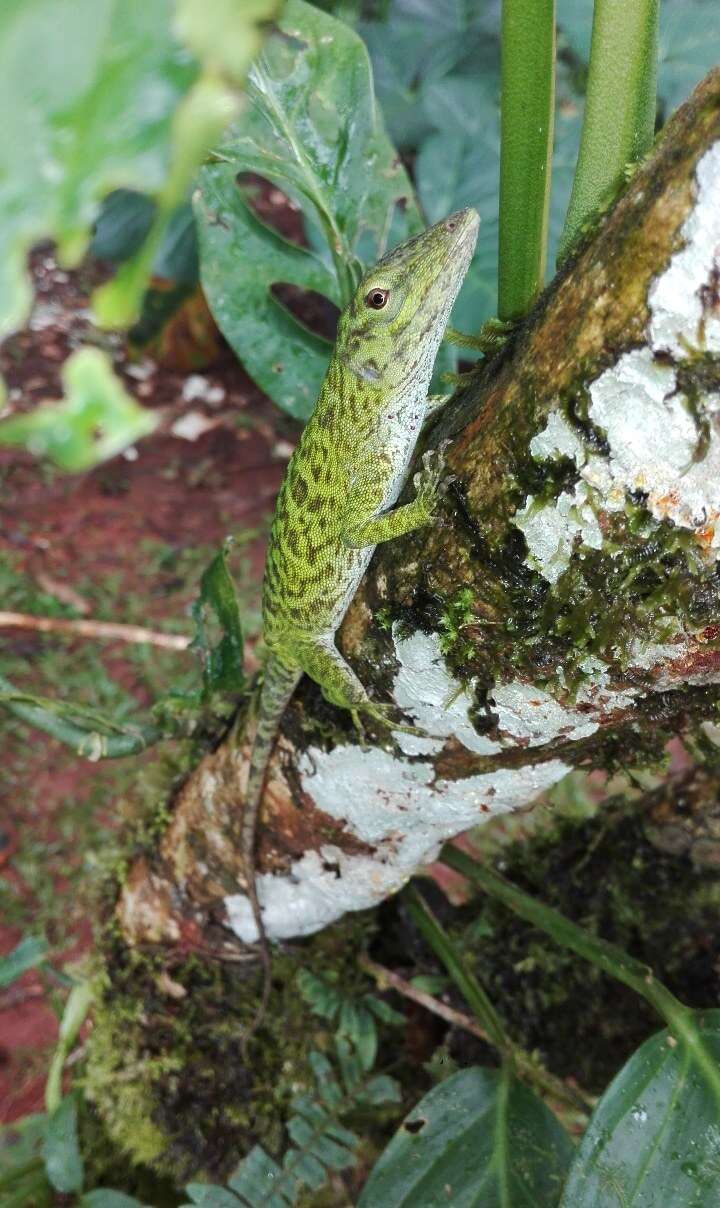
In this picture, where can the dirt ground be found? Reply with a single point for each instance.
(125, 542)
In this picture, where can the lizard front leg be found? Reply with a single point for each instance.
(363, 526)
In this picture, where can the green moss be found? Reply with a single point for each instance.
(165, 1069)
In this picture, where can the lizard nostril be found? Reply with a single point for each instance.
(451, 225)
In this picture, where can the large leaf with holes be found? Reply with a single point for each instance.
(312, 128)
(654, 1138)
(478, 1140)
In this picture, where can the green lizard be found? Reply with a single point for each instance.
(336, 501)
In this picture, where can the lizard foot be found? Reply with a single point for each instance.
(432, 482)
(386, 716)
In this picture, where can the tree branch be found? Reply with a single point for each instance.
(563, 612)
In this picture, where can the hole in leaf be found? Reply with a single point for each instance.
(415, 1126)
(313, 310)
(273, 207)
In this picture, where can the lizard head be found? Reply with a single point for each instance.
(390, 332)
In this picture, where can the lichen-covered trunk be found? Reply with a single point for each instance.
(563, 610)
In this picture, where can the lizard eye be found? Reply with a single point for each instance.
(377, 298)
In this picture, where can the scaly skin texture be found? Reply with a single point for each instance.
(336, 501)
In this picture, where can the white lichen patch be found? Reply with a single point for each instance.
(653, 436)
(551, 530)
(653, 441)
(529, 713)
(399, 808)
(557, 439)
(679, 320)
(434, 699)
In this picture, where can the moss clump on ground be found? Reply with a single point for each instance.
(165, 1068)
(607, 876)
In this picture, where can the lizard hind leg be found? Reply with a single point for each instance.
(323, 662)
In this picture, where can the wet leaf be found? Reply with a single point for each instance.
(222, 656)
(97, 419)
(313, 129)
(478, 1140)
(654, 1137)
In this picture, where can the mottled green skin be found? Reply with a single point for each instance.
(336, 501)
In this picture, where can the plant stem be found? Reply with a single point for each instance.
(606, 956)
(46, 715)
(619, 121)
(527, 109)
(387, 979)
(520, 1062)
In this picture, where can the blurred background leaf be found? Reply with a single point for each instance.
(96, 420)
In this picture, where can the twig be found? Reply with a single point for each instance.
(94, 629)
(385, 977)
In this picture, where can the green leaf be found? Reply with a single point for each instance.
(123, 223)
(322, 998)
(92, 86)
(102, 1197)
(30, 952)
(421, 39)
(222, 658)
(97, 419)
(209, 1196)
(654, 1137)
(479, 1138)
(312, 127)
(686, 52)
(76, 1008)
(61, 1152)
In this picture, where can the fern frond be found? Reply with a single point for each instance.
(320, 1142)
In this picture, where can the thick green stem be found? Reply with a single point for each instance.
(516, 1058)
(619, 121)
(526, 122)
(599, 952)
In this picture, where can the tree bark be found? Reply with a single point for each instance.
(562, 612)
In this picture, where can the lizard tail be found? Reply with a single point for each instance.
(278, 686)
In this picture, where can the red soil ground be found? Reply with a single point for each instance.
(193, 482)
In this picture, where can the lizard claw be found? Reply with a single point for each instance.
(432, 482)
